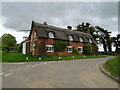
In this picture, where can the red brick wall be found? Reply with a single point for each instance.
(33, 42)
(51, 41)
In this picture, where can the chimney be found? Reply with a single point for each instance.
(45, 23)
(69, 27)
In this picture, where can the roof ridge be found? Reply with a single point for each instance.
(58, 28)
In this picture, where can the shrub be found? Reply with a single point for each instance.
(87, 49)
(75, 51)
(5, 48)
(60, 46)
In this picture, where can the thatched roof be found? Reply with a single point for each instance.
(60, 33)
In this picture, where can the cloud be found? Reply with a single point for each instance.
(20, 14)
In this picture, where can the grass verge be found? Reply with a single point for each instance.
(18, 57)
(113, 66)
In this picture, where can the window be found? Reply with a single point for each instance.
(49, 48)
(69, 48)
(34, 34)
(30, 47)
(34, 46)
(31, 37)
(90, 40)
(80, 49)
(81, 39)
(70, 37)
(51, 35)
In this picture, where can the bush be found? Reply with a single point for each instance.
(87, 49)
(75, 51)
(5, 48)
(60, 46)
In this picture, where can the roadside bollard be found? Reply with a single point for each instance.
(59, 57)
(26, 58)
(94, 55)
(84, 56)
(73, 57)
(40, 58)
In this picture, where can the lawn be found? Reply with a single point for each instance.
(113, 66)
(18, 57)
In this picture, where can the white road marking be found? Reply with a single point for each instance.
(2, 73)
(8, 74)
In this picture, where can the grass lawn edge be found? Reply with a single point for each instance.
(103, 68)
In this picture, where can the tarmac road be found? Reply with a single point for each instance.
(83, 73)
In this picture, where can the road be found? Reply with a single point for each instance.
(83, 73)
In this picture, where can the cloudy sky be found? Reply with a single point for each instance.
(19, 15)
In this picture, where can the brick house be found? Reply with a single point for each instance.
(48, 34)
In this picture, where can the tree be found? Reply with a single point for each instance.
(116, 43)
(87, 28)
(8, 41)
(105, 39)
(84, 27)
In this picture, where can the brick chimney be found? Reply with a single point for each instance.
(45, 23)
(69, 27)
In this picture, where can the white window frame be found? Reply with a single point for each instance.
(33, 46)
(49, 50)
(71, 49)
(81, 39)
(51, 35)
(35, 35)
(31, 37)
(70, 37)
(81, 49)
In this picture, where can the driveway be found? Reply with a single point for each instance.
(83, 73)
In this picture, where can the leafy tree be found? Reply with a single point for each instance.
(87, 49)
(9, 41)
(87, 28)
(105, 39)
(116, 43)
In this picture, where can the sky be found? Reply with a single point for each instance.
(18, 16)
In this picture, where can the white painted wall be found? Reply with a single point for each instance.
(24, 48)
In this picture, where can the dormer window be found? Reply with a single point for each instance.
(51, 35)
(90, 40)
(70, 37)
(81, 39)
